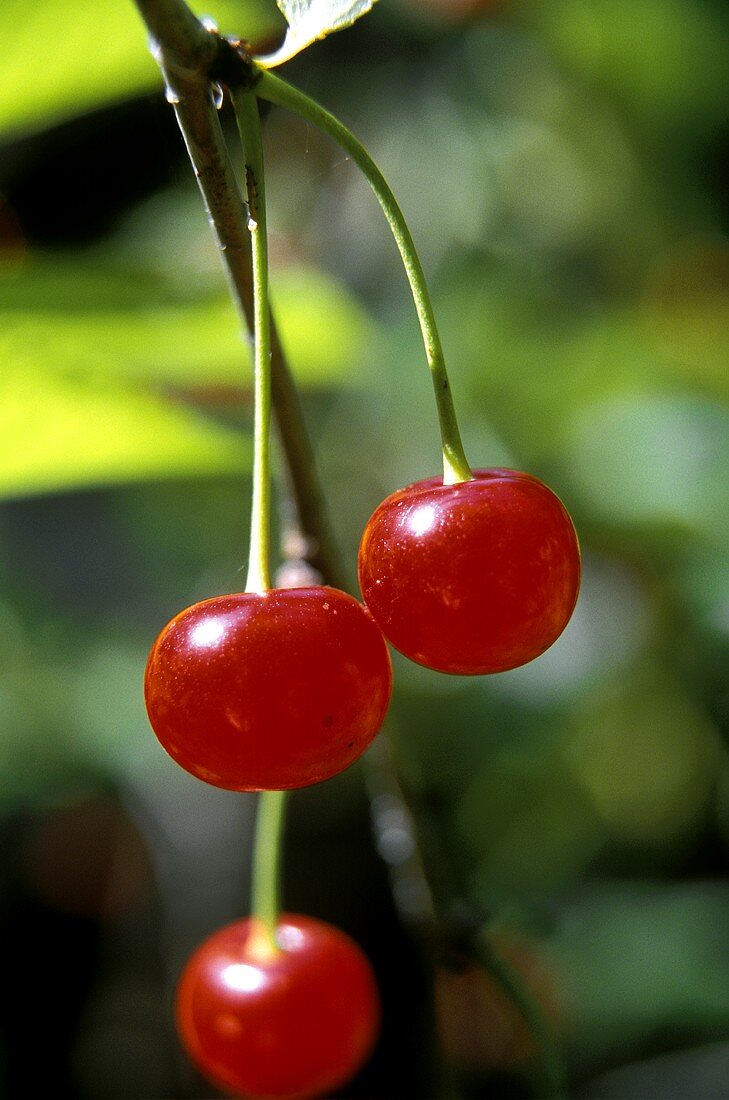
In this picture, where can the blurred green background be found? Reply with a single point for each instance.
(564, 165)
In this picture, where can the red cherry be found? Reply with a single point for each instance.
(269, 691)
(471, 578)
(296, 1023)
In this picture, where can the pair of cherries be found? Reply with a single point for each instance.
(286, 688)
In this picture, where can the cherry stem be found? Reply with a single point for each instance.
(266, 884)
(249, 126)
(275, 90)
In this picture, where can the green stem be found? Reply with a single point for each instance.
(265, 891)
(249, 124)
(275, 90)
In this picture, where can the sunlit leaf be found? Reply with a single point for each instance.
(62, 58)
(326, 333)
(58, 285)
(310, 20)
(67, 432)
(75, 316)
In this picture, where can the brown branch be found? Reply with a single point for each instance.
(187, 57)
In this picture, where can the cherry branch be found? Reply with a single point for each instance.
(190, 57)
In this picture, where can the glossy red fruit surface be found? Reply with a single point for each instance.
(298, 1023)
(269, 691)
(471, 578)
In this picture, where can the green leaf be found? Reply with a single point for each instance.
(62, 58)
(73, 315)
(310, 20)
(654, 461)
(70, 432)
(641, 959)
(325, 332)
(684, 86)
(647, 757)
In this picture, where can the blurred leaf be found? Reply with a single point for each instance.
(686, 310)
(64, 432)
(78, 317)
(640, 958)
(35, 756)
(326, 333)
(665, 60)
(703, 579)
(536, 360)
(526, 825)
(656, 460)
(61, 284)
(697, 1072)
(118, 741)
(647, 758)
(310, 20)
(62, 58)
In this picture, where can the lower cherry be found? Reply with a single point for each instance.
(477, 577)
(295, 1023)
(269, 691)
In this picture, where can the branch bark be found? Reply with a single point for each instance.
(187, 54)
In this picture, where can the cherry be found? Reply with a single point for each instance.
(269, 691)
(477, 577)
(297, 1022)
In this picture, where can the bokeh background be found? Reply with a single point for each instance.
(564, 165)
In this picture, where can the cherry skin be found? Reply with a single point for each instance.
(296, 1023)
(471, 578)
(269, 691)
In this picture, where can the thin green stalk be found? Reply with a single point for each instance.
(271, 804)
(275, 90)
(249, 124)
(265, 890)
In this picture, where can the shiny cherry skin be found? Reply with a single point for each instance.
(269, 691)
(297, 1023)
(471, 578)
